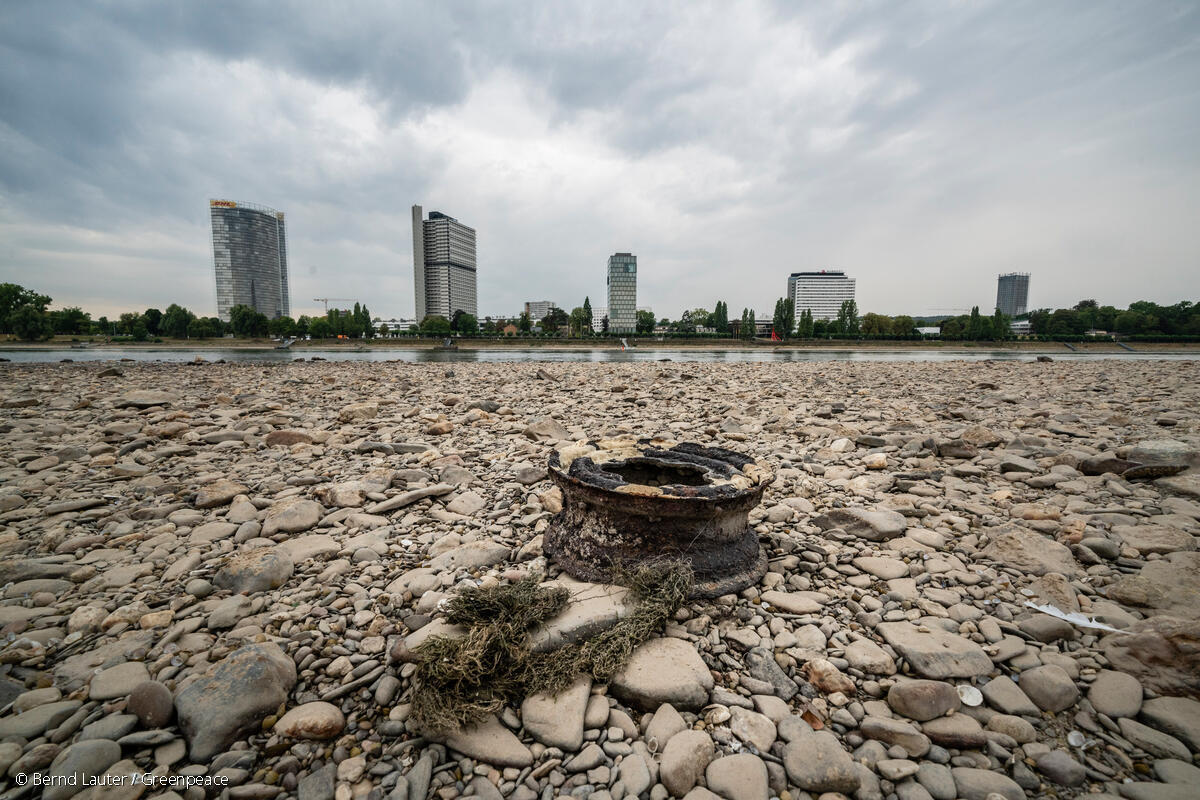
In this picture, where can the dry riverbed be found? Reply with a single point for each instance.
(207, 567)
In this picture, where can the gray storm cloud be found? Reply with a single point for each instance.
(922, 148)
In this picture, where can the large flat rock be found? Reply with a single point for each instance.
(934, 653)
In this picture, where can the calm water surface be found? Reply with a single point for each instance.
(500, 355)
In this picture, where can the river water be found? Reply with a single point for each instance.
(614, 355)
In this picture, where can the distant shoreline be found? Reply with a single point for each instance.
(265, 345)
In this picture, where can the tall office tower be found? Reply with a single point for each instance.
(622, 293)
(538, 309)
(1012, 293)
(250, 258)
(443, 265)
(821, 292)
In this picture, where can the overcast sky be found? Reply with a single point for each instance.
(921, 147)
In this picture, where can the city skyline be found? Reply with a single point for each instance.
(949, 143)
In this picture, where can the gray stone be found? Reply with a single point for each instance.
(1154, 538)
(1058, 766)
(664, 670)
(229, 612)
(1045, 628)
(320, 785)
(82, 760)
(977, 784)
(1172, 770)
(1004, 695)
(665, 723)
(1116, 694)
(491, 742)
(874, 526)
(936, 653)
(1156, 743)
(937, 780)
(292, 515)
(923, 700)
(737, 777)
(257, 570)
(684, 760)
(111, 726)
(816, 762)
(218, 493)
(1049, 687)
(1178, 716)
(546, 429)
(557, 721)
(957, 731)
(1030, 552)
(118, 681)
(232, 697)
(895, 732)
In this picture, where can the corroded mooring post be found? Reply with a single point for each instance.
(627, 502)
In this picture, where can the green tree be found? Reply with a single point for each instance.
(822, 327)
(847, 318)
(876, 324)
(903, 325)
(320, 328)
(12, 298)
(202, 328)
(720, 317)
(806, 325)
(645, 322)
(1039, 321)
(973, 325)
(587, 313)
(153, 319)
(1000, 326)
(524, 323)
(468, 325)
(579, 321)
(435, 324)
(126, 321)
(72, 321)
(175, 321)
(245, 322)
(281, 326)
(31, 323)
(554, 320)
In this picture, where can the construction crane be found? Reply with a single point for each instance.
(326, 300)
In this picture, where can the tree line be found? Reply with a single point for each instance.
(25, 313)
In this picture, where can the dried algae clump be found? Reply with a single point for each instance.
(461, 680)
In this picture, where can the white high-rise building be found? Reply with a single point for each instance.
(443, 265)
(821, 292)
(622, 293)
(538, 309)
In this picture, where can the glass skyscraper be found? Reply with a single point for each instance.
(622, 293)
(443, 265)
(250, 258)
(1012, 293)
